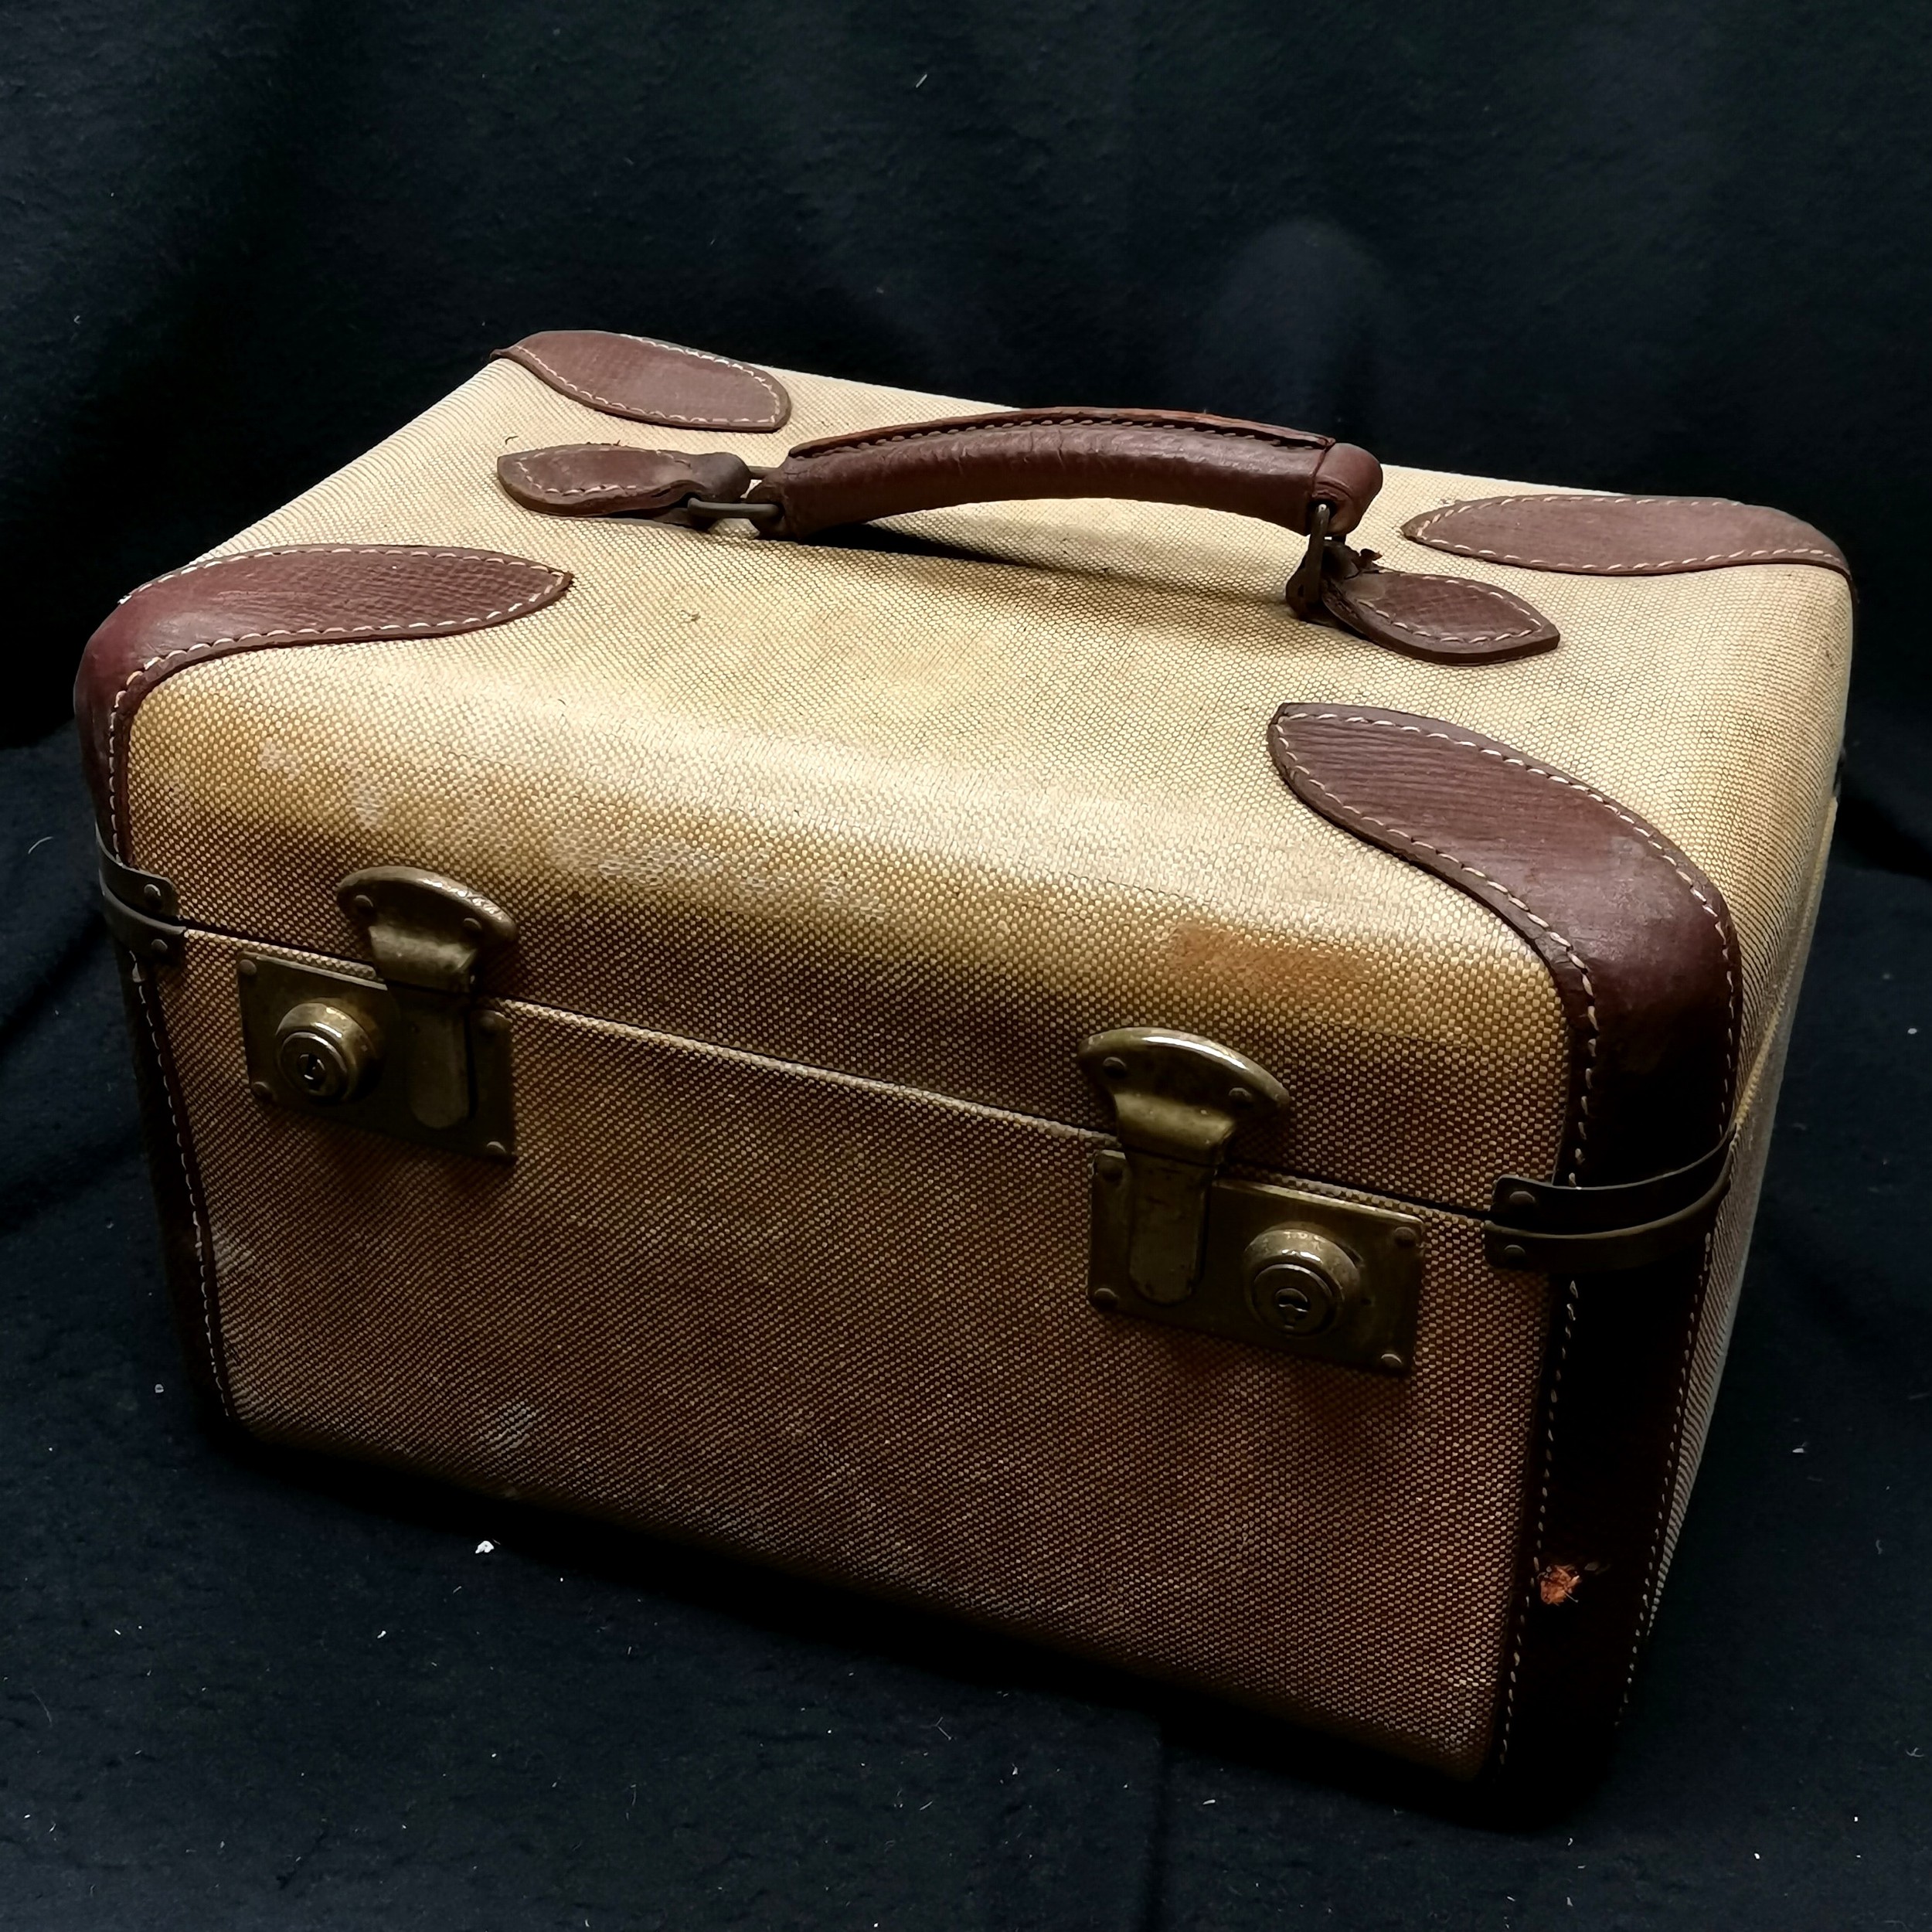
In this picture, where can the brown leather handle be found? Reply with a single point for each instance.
(1308, 483)
(1149, 456)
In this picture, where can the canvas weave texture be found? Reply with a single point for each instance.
(845, 1328)
(1731, 1238)
(824, 859)
(931, 820)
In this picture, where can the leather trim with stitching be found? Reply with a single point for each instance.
(1637, 940)
(1654, 1564)
(1443, 620)
(1546, 1469)
(649, 381)
(187, 1240)
(1066, 418)
(297, 594)
(614, 479)
(1621, 536)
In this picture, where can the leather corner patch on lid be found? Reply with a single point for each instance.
(653, 382)
(1621, 535)
(1637, 940)
(257, 599)
(1447, 619)
(612, 479)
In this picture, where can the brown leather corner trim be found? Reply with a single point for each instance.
(648, 381)
(259, 600)
(1621, 535)
(1152, 456)
(612, 479)
(187, 1242)
(1638, 944)
(1445, 619)
(1637, 941)
(1597, 1499)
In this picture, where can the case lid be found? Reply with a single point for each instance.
(932, 805)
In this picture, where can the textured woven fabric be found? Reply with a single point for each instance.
(943, 819)
(1731, 1239)
(929, 821)
(845, 1328)
(891, 833)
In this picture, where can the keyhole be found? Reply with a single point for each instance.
(326, 1053)
(1293, 1305)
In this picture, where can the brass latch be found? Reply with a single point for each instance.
(1176, 1241)
(407, 1054)
(426, 934)
(1177, 1100)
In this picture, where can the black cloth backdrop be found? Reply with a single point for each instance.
(1679, 247)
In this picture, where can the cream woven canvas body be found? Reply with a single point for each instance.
(824, 860)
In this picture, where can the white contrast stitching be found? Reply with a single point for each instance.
(1648, 1605)
(1644, 831)
(1575, 1142)
(1340, 595)
(520, 462)
(420, 627)
(1542, 1517)
(1073, 419)
(1731, 1018)
(1422, 530)
(347, 549)
(521, 352)
(188, 1182)
(538, 487)
(580, 489)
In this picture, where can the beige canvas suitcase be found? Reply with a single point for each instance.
(902, 1011)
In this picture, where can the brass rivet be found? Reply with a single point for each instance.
(1104, 1298)
(158, 947)
(363, 903)
(472, 925)
(261, 1089)
(489, 1022)
(152, 892)
(1513, 1251)
(1392, 1361)
(1521, 1197)
(248, 969)
(496, 1149)
(1404, 1237)
(1241, 1097)
(1113, 1067)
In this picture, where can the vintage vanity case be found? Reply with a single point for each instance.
(990, 1056)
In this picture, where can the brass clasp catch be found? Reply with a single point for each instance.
(1176, 1241)
(407, 1053)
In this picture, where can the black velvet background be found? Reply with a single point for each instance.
(1678, 247)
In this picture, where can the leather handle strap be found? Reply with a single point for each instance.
(1147, 456)
(1308, 483)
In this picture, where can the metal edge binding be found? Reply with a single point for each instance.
(1581, 1249)
(145, 892)
(141, 909)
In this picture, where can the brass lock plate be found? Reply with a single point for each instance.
(338, 1047)
(1304, 1273)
